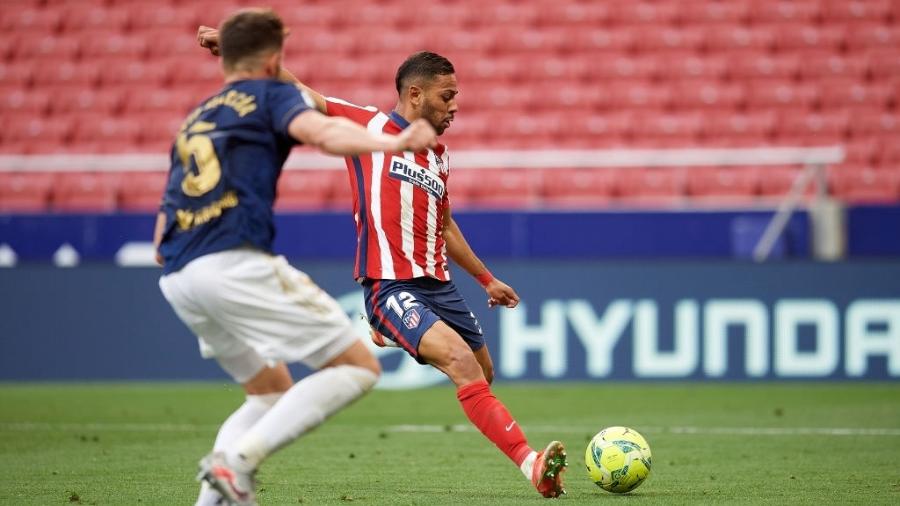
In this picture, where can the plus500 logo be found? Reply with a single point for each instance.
(835, 342)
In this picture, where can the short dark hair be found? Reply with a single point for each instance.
(248, 33)
(422, 64)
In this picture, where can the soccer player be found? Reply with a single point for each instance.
(406, 234)
(250, 310)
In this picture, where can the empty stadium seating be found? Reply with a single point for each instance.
(112, 76)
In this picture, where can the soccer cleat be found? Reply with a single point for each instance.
(546, 475)
(237, 488)
(380, 340)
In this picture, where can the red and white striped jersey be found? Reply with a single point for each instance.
(398, 203)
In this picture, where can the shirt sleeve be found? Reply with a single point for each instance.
(353, 112)
(286, 102)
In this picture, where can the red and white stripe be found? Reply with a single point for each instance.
(398, 232)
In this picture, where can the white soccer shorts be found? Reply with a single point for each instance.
(241, 300)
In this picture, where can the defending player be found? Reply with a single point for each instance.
(405, 234)
(252, 311)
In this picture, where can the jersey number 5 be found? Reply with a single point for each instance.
(199, 147)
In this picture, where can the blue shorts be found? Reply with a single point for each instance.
(404, 309)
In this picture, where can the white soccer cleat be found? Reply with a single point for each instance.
(237, 488)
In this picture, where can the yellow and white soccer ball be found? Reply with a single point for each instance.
(618, 459)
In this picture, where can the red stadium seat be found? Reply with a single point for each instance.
(517, 39)
(843, 93)
(172, 42)
(84, 74)
(153, 99)
(86, 192)
(38, 45)
(158, 128)
(732, 13)
(865, 151)
(505, 188)
(98, 128)
(883, 63)
(141, 191)
(732, 183)
(106, 45)
(708, 95)
(28, 127)
(93, 19)
(30, 19)
(307, 189)
(803, 36)
(781, 94)
(25, 191)
(639, 95)
(575, 15)
(868, 122)
(777, 181)
(71, 99)
(620, 66)
(861, 184)
(825, 124)
(658, 185)
(684, 128)
(665, 38)
(15, 100)
(756, 65)
(857, 10)
(604, 39)
(156, 15)
(583, 188)
(823, 64)
(133, 71)
(806, 12)
(194, 70)
(19, 73)
(736, 38)
(645, 12)
(693, 66)
(754, 125)
(873, 35)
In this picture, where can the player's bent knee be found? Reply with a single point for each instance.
(357, 355)
(270, 380)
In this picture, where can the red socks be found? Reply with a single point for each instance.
(493, 420)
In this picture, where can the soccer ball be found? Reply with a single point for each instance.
(618, 459)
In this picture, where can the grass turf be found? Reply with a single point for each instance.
(139, 444)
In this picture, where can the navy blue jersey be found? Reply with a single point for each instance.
(225, 166)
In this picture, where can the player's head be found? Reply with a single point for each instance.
(426, 83)
(250, 41)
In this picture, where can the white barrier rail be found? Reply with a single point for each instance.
(826, 241)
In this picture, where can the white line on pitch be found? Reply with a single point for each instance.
(724, 431)
(687, 430)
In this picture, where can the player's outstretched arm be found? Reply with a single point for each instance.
(499, 293)
(340, 136)
(209, 38)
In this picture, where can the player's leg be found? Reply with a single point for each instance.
(293, 320)
(483, 356)
(263, 389)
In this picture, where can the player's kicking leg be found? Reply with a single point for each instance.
(263, 389)
(302, 407)
(442, 347)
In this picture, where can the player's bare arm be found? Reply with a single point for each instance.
(499, 293)
(340, 136)
(209, 39)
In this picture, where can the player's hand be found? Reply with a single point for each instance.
(209, 38)
(501, 294)
(417, 136)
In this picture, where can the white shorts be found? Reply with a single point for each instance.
(243, 300)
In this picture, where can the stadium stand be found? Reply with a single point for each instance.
(117, 76)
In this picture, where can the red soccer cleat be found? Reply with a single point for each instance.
(546, 475)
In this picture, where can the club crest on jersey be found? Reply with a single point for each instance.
(411, 319)
(409, 172)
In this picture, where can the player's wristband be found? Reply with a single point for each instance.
(485, 278)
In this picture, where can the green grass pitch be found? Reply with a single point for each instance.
(769, 443)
